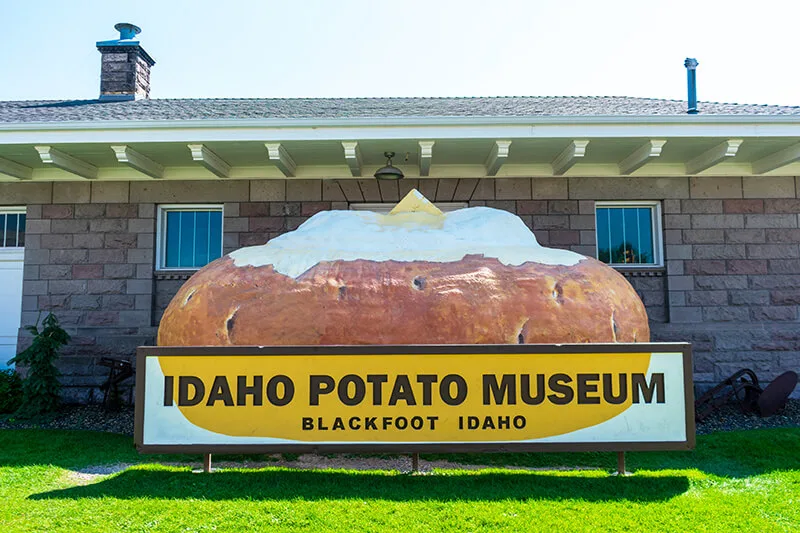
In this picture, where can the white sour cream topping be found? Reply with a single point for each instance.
(352, 235)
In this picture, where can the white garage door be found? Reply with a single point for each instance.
(12, 240)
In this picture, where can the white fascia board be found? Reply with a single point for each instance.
(117, 133)
(684, 120)
(433, 128)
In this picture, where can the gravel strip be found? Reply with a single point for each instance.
(731, 418)
(399, 463)
(87, 417)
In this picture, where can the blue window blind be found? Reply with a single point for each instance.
(625, 235)
(192, 238)
(12, 230)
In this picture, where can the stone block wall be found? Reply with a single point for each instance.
(733, 253)
(91, 263)
(730, 284)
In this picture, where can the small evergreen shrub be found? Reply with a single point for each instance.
(10, 391)
(41, 389)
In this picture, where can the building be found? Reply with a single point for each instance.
(108, 204)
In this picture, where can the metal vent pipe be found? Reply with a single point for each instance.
(691, 78)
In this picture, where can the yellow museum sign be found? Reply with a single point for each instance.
(415, 398)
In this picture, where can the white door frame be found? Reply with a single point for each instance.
(8, 255)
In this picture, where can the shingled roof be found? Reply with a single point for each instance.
(364, 108)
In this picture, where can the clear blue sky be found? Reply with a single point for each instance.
(234, 48)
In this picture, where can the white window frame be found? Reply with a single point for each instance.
(12, 253)
(384, 208)
(161, 228)
(657, 233)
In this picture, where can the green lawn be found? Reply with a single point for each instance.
(747, 481)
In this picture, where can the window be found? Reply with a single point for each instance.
(189, 236)
(12, 227)
(629, 233)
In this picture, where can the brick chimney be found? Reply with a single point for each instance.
(125, 67)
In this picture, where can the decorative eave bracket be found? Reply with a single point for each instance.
(210, 160)
(127, 155)
(73, 165)
(425, 157)
(643, 155)
(352, 154)
(279, 157)
(497, 157)
(714, 156)
(569, 156)
(779, 159)
(15, 170)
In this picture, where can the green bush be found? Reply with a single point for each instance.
(10, 391)
(41, 389)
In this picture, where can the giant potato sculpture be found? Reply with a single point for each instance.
(415, 276)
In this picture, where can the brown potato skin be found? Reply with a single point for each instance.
(476, 300)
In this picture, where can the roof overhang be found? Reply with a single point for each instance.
(426, 146)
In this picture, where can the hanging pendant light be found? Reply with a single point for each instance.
(389, 172)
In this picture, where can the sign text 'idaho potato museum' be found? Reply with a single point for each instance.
(491, 397)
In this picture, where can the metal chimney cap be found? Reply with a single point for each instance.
(690, 63)
(127, 30)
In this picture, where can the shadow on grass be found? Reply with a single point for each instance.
(732, 454)
(64, 448)
(322, 485)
